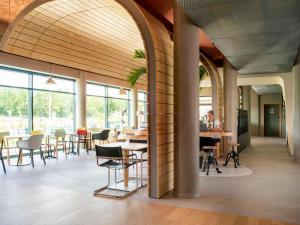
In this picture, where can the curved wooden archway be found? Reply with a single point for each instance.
(216, 82)
(159, 50)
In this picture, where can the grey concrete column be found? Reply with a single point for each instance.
(186, 88)
(296, 130)
(134, 107)
(81, 100)
(230, 100)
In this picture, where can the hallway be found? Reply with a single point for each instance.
(272, 186)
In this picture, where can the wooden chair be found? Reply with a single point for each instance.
(233, 154)
(1, 156)
(210, 159)
(59, 139)
(5, 144)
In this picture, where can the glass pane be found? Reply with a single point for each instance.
(203, 110)
(205, 100)
(142, 112)
(95, 89)
(52, 111)
(142, 96)
(95, 112)
(115, 93)
(118, 113)
(64, 85)
(14, 110)
(14, 78)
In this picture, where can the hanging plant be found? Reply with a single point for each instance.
(136, 73)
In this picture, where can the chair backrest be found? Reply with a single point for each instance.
(2, 134)
(104, 135)
(37, 132)
(138, 141)
(81, 131)
(35, 141)
(59, 133)
(108, 152)
(96, 136)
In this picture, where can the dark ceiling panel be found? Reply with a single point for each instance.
(254, 35)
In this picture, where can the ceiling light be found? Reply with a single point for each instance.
(50, 81)
(122, 91)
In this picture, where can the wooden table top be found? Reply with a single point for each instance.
(17, 136)
(127, 146)
(215, 133)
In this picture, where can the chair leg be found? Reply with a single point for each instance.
(8, 156)
(31, 156)
(42, 155)
(208, 164)
(227, 159)
(3, 163)
(137, 176)
(19, 157)
(108, 177)
(217, 167)
(204, 164)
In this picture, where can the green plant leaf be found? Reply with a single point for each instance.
(139, 54)
(135, 74)
(202, 72)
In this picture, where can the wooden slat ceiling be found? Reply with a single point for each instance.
(92, 35)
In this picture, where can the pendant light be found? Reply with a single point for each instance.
(50, 80)
(122, 91)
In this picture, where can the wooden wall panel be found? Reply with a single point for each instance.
(95, 36)
(164, 107)
(99, 37)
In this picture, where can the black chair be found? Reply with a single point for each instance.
(104, 135)
(114, 160)
(210, 159)
(143, 151)
(234, 155)
(1, 156)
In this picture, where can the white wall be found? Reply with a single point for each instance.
(254, 115)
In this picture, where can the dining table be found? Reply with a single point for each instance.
(127, 148)
(216, 134)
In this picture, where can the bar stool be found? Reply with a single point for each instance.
(233, 154)
(209, 159)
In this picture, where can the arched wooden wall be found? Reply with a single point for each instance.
(54, 31)
(217, 87)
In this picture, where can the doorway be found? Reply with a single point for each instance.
(271, 121)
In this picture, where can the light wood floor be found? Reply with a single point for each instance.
(61, 194)
(44, 205)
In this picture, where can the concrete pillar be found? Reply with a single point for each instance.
(296, 130)
(81, 100)
(134, 108)
(186, 88)
(230, 100)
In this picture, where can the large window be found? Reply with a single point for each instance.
(28, 103)
(205, 105)
(142, 109)
(106, 107)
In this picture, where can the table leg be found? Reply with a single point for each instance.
(7, 150)
(126, 170)
(20, 157)
(21, 153)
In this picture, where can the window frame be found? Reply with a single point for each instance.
(30, 90)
